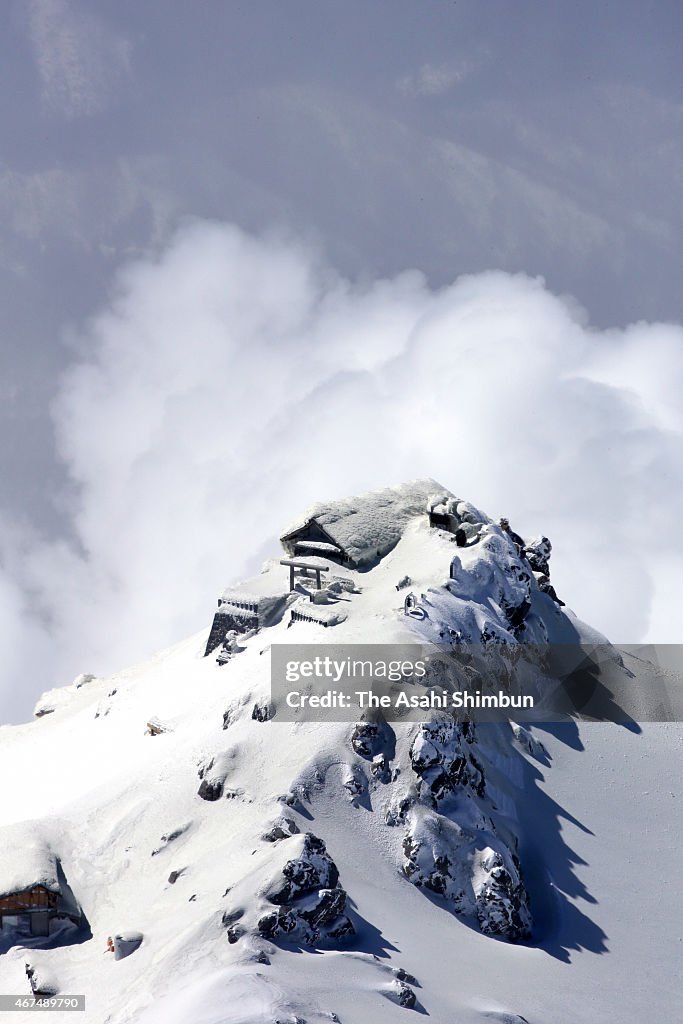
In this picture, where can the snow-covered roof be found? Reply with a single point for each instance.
(317, 545)
(26, 859)
(371, 523)
(256, 591)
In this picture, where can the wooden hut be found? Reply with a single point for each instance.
(357, 531)
(33, 888)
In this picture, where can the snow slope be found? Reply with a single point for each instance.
(594, 813)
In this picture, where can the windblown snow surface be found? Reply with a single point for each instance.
(592, 814)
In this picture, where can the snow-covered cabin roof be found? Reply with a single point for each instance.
(369, 524)
(267, 585)
(26, 859)
(260, 595)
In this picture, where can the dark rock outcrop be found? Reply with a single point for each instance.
(432, 862)
(369, 739)
(170, 837)
(212, 772)
(501, 900)
(502, 1017)
(262, 712)
(402, 995)
(398, 808)
(538, 554)
(402, 975)
(210, 789)
(283, 828)
(441, 758)
(310, 903)
(312, 869)
(480, 881)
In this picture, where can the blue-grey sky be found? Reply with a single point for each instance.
(542, 137)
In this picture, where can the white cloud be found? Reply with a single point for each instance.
(44, 200)
(78, 57)
(232, 380)
(435, 79)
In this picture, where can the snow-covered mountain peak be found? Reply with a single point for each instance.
(250, 869)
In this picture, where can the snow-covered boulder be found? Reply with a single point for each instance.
(442, 758)
(528, 742)
(52, 700)
(371, 737)
(399, 805)
(447, 859)
(83, 679)
(309, 867)
(501, 900)
(435, 858)
(503, 1017)
(538, 553)
(171, 837)
(310, 901)
(233, 928)
(401, 994)
(354, 780)
(262, 712)
(282, 828)
(213, 772)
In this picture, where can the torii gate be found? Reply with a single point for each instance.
(315, 564)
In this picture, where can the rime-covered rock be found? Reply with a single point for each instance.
(369, 738)
(327, 908)
(402, 975)
(212, 772)
(210, 789)
(262, 712)
(310, 902)
(320, 921)
(441, 757)
(503, 1017)
(83, 679)
(538, 554)
(310, 868)
(277, 923)
(528, 742)
(170, 837)
(516, 599)
(354, 780)
(501, 900)
(401, 994)
(380, 767)
(282, 828)
(231, 917)
(433, 859)
(447, 859)
(546, 587)
(398, 807)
